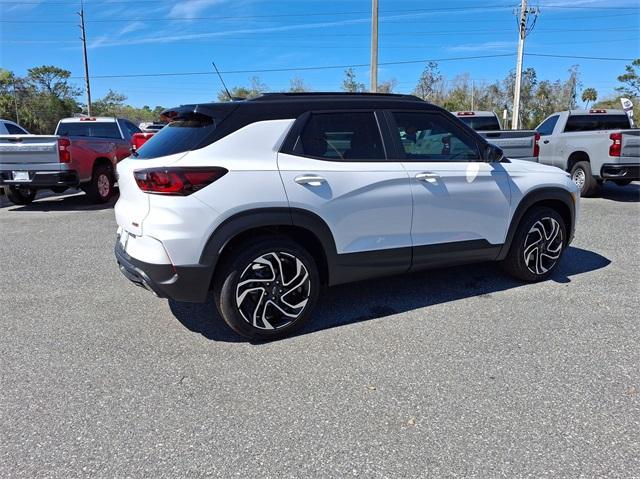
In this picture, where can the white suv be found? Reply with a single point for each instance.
(266, 201)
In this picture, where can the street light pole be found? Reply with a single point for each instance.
(374, 46)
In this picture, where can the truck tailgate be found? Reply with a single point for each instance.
(516, 144)
(630, 144)
(24, 150)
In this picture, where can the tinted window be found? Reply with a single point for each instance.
(430, 137)
(341, 136)
(481, 123)
(129, 128)
(178, 136)
(15, 130)
(597, 122)
(547, 126)
(88, 128)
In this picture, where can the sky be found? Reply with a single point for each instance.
(250, 37)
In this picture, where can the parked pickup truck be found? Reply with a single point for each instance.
(593, 145)
(82, 153)
(516, 144)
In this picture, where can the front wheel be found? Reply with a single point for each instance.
(21, 195)
(537, 245)
(267, 288)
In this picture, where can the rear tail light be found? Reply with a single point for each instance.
(176, 181)
(64, 154)
(139, 139)
(616, 144)
(536, 145)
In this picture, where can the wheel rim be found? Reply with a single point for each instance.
(579, 177)
(273, 291)
(543, 246)
(104, 185)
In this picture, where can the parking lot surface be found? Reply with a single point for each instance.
(461, 372)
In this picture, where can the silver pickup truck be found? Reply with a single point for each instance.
(516, 144)
(594, 146)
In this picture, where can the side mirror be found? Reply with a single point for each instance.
(493, 154)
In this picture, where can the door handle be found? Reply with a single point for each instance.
(427, 176)
(545, 142)
(311, 180)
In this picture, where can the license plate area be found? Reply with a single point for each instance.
(20, 175)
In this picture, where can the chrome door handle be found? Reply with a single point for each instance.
(427, 176)
(311, 180)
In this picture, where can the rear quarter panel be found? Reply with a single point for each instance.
(85, 151)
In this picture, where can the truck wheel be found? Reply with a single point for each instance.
(21, 195)
(582, 176)
(267, 288)
(622, 182)
(537, 245)
(100, 189)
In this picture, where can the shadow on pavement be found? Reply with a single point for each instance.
(625, 194)
(72, 200)
(362, 301)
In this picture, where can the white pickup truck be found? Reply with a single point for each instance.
(593, 145)
(515, 144)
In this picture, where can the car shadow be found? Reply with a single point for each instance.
(374, 299)
(626, 194)
(71, 200)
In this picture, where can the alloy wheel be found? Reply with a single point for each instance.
(273, 291)
(543, 245)
(104, 185)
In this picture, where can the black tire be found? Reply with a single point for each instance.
(582, 176)
(21, 195)
(241, 265)
(522, 261)
(100, 188)
(59, 189)
(622, 182)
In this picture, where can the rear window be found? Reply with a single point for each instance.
(596, 122)
(189, 130)
(90, 129)
(14, 129)
(481, 123)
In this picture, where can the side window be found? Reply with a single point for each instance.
(341, 136)
(14, 130)
(547, 126)
(128, 128)
(430, 137)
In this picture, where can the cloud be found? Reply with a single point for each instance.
(191, 8)
(486, 46)
(132, 27)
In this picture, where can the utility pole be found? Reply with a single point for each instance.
(473, 88)
(15, 101)
(86, 62)
(374, 46)
(523, 31)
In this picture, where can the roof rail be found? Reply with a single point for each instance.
(282, 96)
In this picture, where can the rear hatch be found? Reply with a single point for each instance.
(24, 150)
(192, 127)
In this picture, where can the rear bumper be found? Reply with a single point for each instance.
(621, 171)
(42, 179)
(180, 283)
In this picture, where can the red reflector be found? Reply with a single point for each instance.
(176, 181)
(466, 113)
(64, 155)
(597, 111)
(616, 144)
(536, 145)
(139, 139)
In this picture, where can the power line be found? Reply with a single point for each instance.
(579, 57)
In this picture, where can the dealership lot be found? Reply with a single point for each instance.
(459, 372)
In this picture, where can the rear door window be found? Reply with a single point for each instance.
(341, 136)
(547, 126)
(596, 122)
(14, 129)
(98, 129)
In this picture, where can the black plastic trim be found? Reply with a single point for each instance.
(621, 171)
(41, 179)
(454, 253)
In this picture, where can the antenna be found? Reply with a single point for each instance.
(223, 83)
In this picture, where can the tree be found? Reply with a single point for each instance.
(350, 83)
(631, 80)
(112, 104)
(430, 85)
(387, 86)
(255, 89)
(297, 85)
(589, 95)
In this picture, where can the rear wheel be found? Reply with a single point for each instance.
(537, 245)
(267, 288)
(582, 176)
(21, 195)
(100, 189)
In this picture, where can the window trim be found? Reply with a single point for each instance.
(293, 137)
(399, 148)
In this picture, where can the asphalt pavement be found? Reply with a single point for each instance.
(461, 372)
